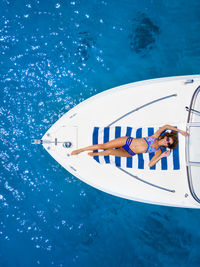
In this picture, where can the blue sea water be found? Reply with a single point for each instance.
(53, 55)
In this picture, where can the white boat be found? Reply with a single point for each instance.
(137, 108)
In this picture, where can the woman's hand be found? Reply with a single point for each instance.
(184, 133)
(158, 155)
(165, 154)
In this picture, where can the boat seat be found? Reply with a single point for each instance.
(139, 161)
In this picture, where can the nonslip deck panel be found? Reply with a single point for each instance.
(139, 161)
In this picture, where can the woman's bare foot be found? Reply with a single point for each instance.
(75, 152)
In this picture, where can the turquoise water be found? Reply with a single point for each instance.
(54, 54)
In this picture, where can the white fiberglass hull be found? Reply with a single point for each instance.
(147, 103)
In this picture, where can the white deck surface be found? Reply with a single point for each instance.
(77, 125)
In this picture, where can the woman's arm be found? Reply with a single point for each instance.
(158, 156)
(167, 126)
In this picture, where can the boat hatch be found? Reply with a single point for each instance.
(193, 146)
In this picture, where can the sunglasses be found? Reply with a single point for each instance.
(168, 142)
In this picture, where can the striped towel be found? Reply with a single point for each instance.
(139, 161)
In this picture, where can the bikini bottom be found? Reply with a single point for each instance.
(127, 146)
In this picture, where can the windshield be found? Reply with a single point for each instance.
(194, 110)
(194, 143)
(193, 146)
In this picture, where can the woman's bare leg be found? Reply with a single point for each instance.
(118, 142)
(120, 152)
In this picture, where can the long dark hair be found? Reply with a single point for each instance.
(174, 137)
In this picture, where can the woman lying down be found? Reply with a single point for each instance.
(129, 147)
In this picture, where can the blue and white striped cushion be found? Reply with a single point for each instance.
(139, 161)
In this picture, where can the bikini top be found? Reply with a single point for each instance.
(150, 141)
